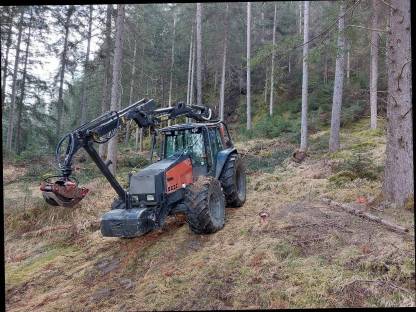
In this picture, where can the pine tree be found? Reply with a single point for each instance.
(304, 118)
(338, 83)
(398, 184)
(115, 87)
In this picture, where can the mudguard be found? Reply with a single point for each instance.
(222, 158)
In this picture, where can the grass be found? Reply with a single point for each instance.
(306, 255)
(16, 274)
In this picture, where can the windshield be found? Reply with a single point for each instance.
(185, 142)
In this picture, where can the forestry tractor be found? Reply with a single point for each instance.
(198, 171)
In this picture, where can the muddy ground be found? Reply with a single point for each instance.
(304, 254)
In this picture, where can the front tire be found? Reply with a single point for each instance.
(206, 206)
(233, 180)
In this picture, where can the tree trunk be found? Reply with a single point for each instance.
(62, 71)
(115, 88)
(191, 49)
(374, 43)
(198, 54)
(22, 90)
(248, 66)
(266, 85)
(326, 66)
(105, 103)
(272, 69)
(192, 90)
(348, 62)
(398, 173)
(172, 64)
(6, 62)
(262, 23)
(133, 71)
(304, 119)
(224, 61)
(139, 132)
(300, 17)
(338, 83)
(83, 102)
(14, 86)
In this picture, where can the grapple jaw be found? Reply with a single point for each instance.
(62, 191)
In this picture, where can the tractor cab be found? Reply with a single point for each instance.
(201, 142)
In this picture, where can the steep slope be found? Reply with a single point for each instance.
(304, 254)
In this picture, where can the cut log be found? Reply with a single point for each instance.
(366, 215)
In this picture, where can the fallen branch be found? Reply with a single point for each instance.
(366, 215)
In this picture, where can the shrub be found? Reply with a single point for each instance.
(360, 165)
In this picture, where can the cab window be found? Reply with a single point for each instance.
(215, 141)
(186, 142)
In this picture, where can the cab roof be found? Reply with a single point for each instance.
(190, 125)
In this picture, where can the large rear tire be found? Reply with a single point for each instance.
(206, 206)
(233, 181)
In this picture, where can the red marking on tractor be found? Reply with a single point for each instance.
(179, 175)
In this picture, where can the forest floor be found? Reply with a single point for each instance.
(306, 254)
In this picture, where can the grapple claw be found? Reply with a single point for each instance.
(62, 191)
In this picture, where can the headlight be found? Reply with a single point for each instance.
(150, 197)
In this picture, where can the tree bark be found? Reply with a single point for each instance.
(338, 83)
(348, 62)
(272, 69)
(139, 132)
(133, 71)
(266, 85)
(304, 118)
(224, 61)
(105, 103)
(192, 90)
(6, 61)
(398, 172)
(191, 47)
(326, 66)
(14, 86)
(300, 17)
(83, 102)
(172, 64)
(374, 43)
(248, 66)
(115, 88)
(198, 54)
(60, 104)
(22, 90)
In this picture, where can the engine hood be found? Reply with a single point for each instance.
(150, 180)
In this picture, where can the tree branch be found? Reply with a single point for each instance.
(372, 29)
(400, 75)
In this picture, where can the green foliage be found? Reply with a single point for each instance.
(133, 160)
(266, 162)
(352, 111)
(358, 165)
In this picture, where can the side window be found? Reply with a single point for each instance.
(215, 141)
(218, 139)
